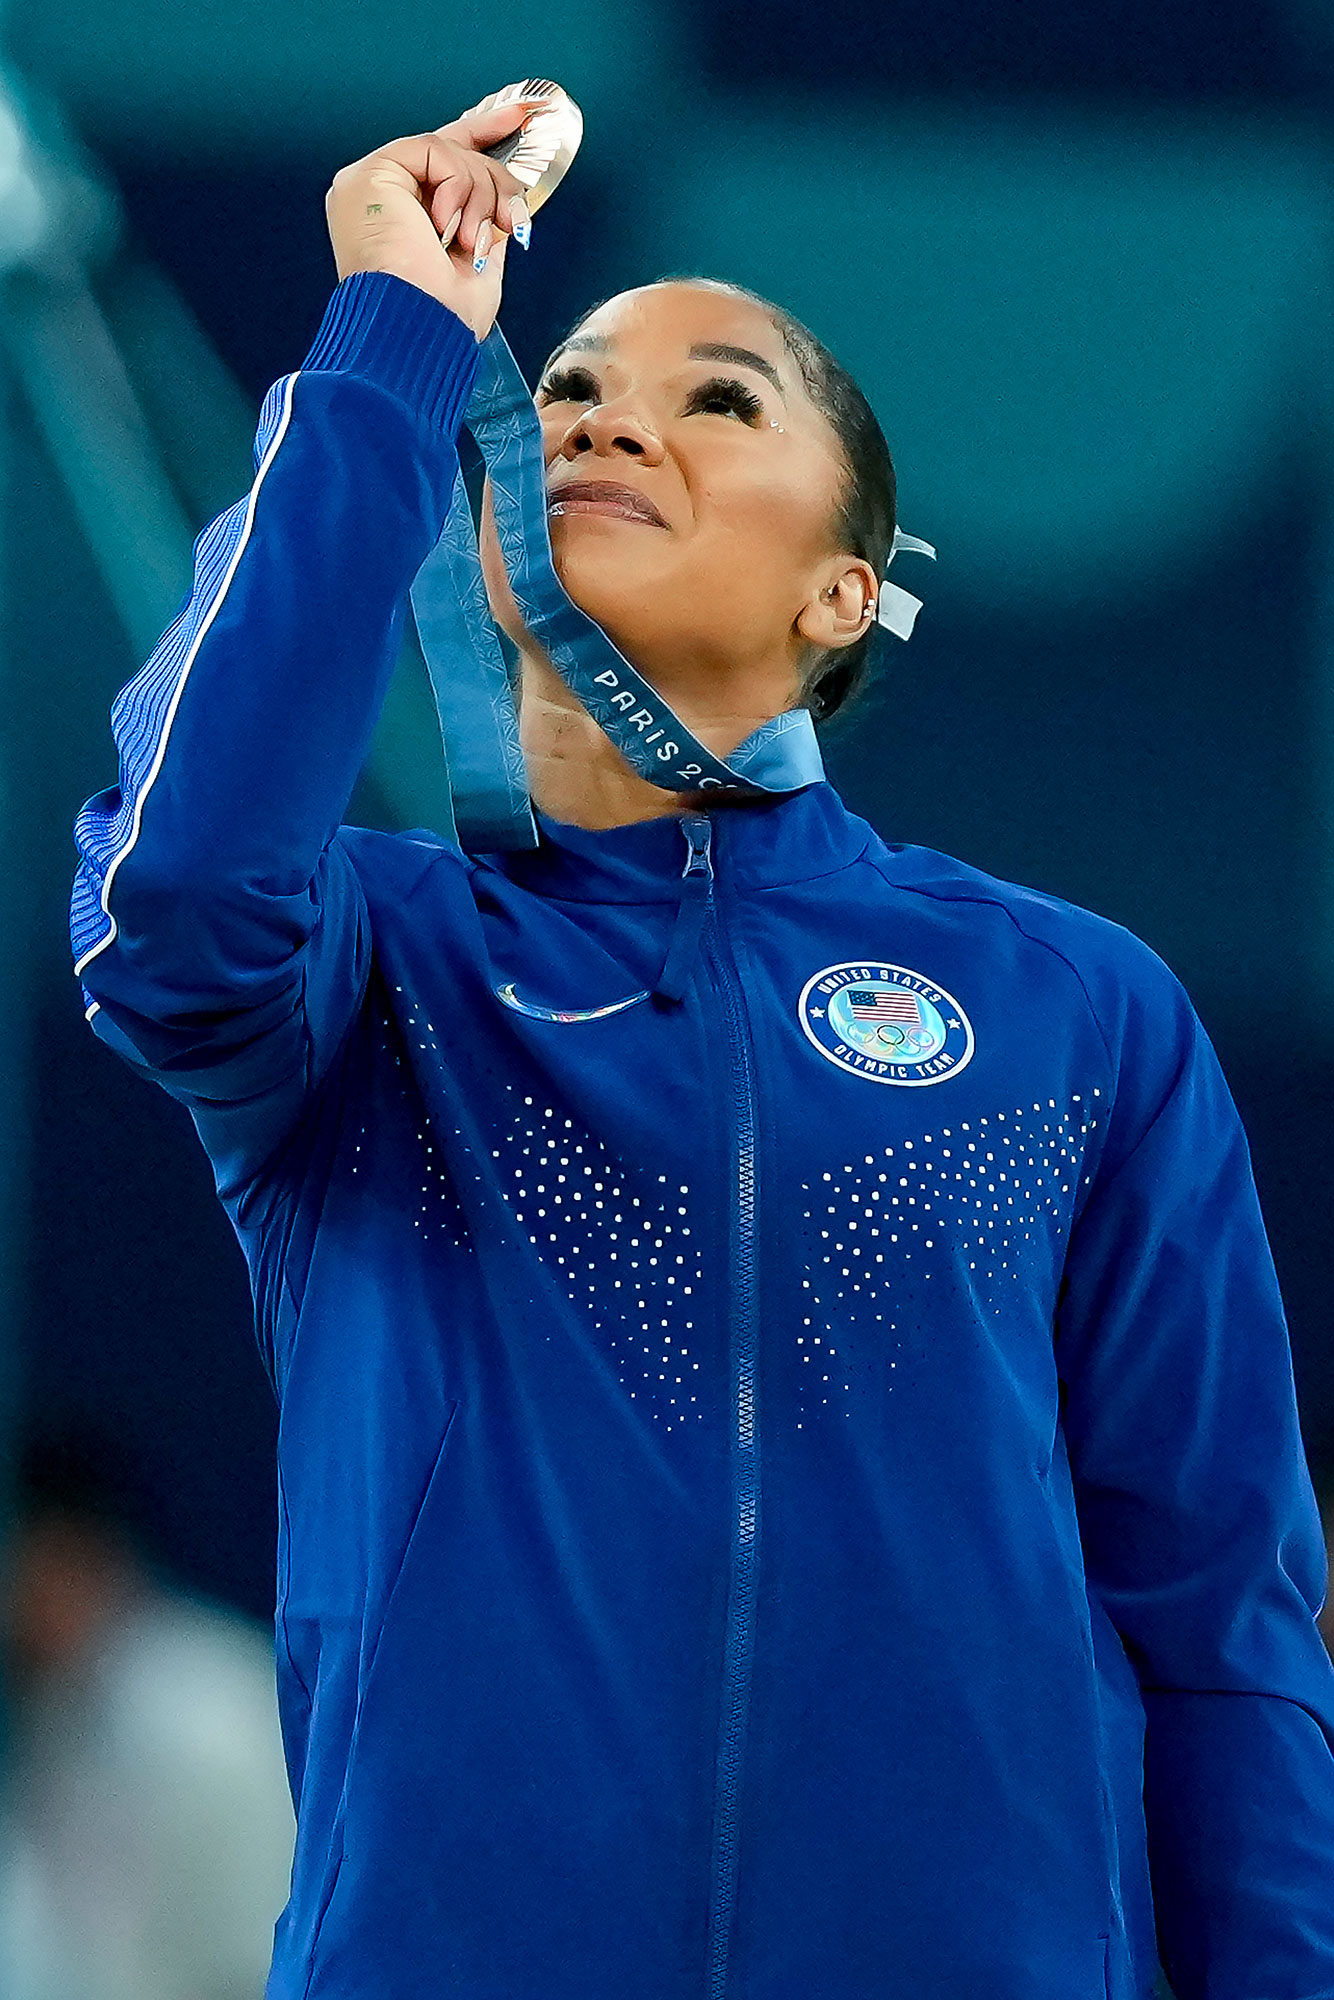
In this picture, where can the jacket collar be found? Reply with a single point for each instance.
(757, 844)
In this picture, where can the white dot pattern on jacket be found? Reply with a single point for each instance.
(971, 1197)
(972, 1201)
(629, 1261)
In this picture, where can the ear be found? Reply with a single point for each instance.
(841, 605)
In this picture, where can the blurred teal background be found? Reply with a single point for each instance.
(1080, 260)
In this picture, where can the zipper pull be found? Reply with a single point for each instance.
(698, 831)
(696, 897)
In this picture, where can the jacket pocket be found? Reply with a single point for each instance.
(336, 1854)
(317, 1677)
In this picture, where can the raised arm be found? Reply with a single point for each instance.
(219, 933)
(1198, 1519)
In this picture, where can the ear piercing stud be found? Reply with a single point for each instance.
(775, 425)
(868, 608)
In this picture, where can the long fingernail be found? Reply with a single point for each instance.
(523, 225)
(482, 247)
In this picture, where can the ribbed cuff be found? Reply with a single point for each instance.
(389, 332)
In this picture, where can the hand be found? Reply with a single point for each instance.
(421, 208)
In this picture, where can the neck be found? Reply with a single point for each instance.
(576, 773)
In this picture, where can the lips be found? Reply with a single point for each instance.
(605, 496)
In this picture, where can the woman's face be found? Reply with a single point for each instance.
(739, 464)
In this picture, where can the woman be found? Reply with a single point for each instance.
(790, 1488)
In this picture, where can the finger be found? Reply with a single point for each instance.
(446, 210)
(421, 152)
(483, 128)
(465, 192)
(508, 189)
(507, 184)
(447, 217)
(376, 168)
(480, 207)
(431, 160)
(464, 182)
(427, 157)
(517, 221)
(443, 178)
(390, 176)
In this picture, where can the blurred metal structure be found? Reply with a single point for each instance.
(147, 429)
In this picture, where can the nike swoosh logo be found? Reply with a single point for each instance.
(535, 1013)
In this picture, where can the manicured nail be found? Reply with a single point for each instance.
(482, 247)
(523, 226)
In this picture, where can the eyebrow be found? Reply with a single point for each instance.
(704, 350)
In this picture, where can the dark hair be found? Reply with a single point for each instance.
(865, 510)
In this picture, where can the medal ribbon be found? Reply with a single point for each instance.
(471, 681)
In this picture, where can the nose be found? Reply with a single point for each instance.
(608, 429)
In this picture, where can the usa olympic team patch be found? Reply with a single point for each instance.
(885, 1023)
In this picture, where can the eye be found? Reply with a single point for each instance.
(720, 392)
(726, 392)
(567, 385)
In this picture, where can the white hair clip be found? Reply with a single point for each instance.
(897, 609)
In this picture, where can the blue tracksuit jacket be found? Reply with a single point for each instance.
(790, 1494)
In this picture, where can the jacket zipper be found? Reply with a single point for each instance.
(738, 1649)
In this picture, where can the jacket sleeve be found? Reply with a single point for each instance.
(1198, 1519)
(219, 931)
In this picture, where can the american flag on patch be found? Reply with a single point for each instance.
(869, 1005)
